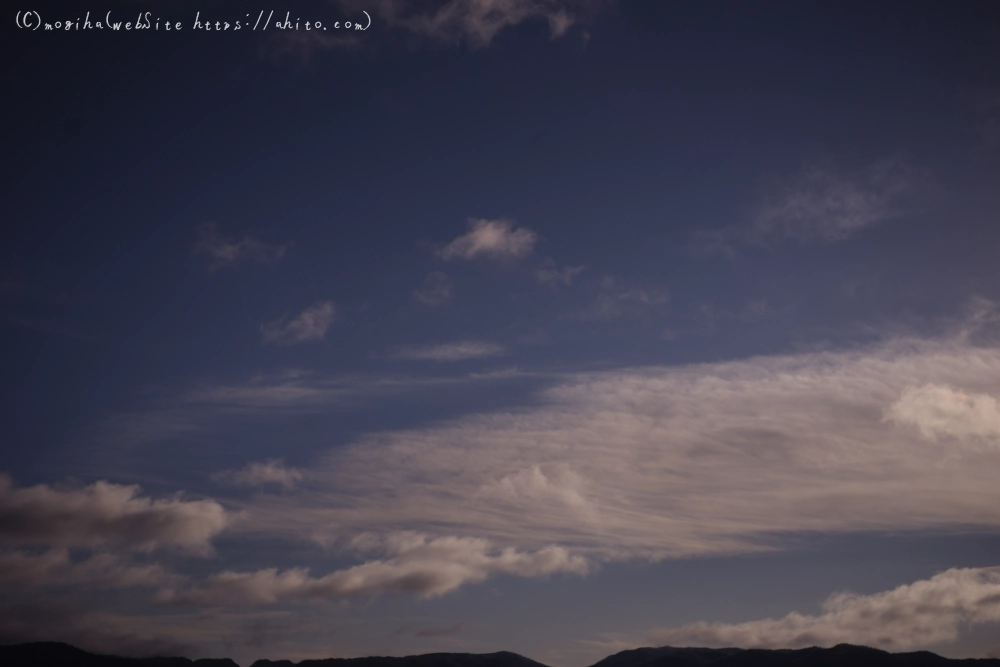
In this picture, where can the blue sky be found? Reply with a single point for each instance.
(535, 325)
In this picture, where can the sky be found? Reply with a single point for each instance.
(559, 327)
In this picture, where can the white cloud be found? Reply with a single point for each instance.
(226, 252)
(916, 615)
(941, 411)
(105, 514)
(436, 289)
(477, 22)
(256, 473)
(416, 565)
(457, 351)
(672, 461)
(533, 486)
(311, 325)
(490, 238)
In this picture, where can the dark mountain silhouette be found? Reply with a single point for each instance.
(501, 659)
(55, 654)
(842, 655)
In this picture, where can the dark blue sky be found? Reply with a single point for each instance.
(538, 325)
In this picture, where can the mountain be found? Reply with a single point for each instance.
(501, 659)
(842, 655)
(57, 654)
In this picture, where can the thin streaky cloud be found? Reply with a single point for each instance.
(416, 565)
(821, 205)
(256, 473)
(477, 22)
(494, 239)
(616, 299)
(553, 276)
(664, 462)
(225, 251)
(309, 326)
(456, 351)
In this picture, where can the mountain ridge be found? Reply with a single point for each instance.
(52, 654)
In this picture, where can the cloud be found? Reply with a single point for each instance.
(821, 205)
(261, 474)
(436, 289)
(926, 612)
(616, 299)
(552, 276)
(227, 252)
(477, 22)
(490, 238)
(311, 325)
(941, 411)
(717, 458)
(532, 486)
(457, 351)
(105, 514)
(275, 396)
(416, 565)
(55, 567)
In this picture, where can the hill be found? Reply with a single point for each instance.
(55, 654)
(842, 655)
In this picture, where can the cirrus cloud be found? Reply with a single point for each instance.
(256, 473)
(672, 461)
(456, 351)
(310, 325)
(490, 238)
(417, 565)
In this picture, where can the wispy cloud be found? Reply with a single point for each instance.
(435, 290)
(105, 514)
(271, 472)
(225, 251)
(416, 565)
(492, 239)
(821, 204)
(674, 461)
(211, 406)
(552, 276)
(616, 299)
(477, 22)
(310, 325)
(916, 615)
(456, 351)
